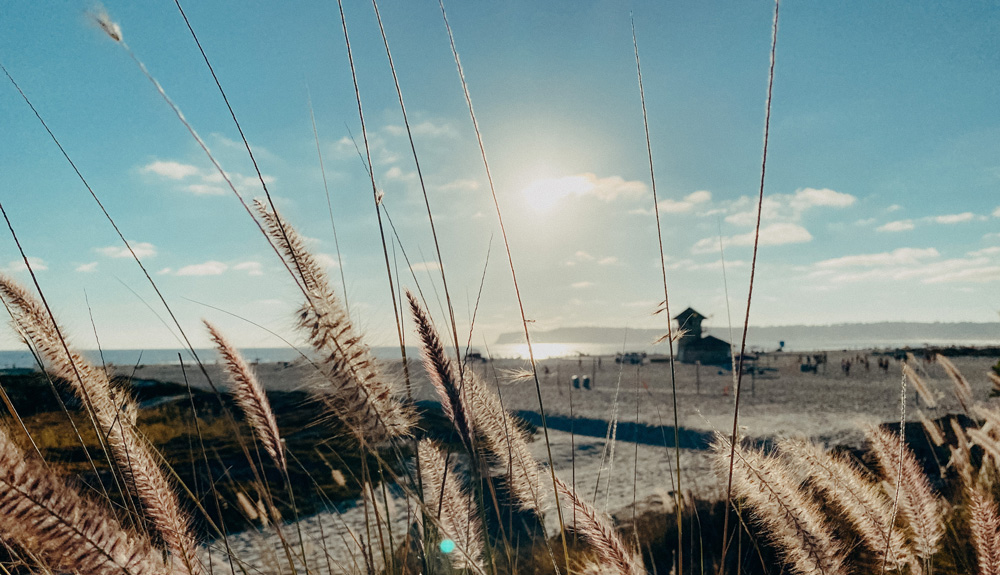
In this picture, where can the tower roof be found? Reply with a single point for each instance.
(686, 315)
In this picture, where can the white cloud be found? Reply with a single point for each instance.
(897, 226)
(425, 128)
(911, 264)
(37, 264)
(685, 205)
(787, 207)
(770, 235)
(204, 182)
(901, 256)
(425, 266)
(547, 192)
(691, 265)
(959, 273)
(991, 251)
(205, 190)
(459, 185)
(171, 170)
(165, 271)
(326, 260)
(141, 249)
(87, 268)
(209, 268)
(894, 208)
(996, 212)
(581, 285)
(608, 261)
(955, 218)
(252, 268)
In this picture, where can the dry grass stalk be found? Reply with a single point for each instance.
(505, 438)
(353, 387)
(92, 386)
(596, 528)
(795, 523)
(441, 373)
(64, 530)
(445, 499)
(985, 526)
(917, 502)
(963, 391)
(250, 396)
(932, 429)
(920, 385)
(862, 503)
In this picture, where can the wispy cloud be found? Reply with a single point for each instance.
(326, 260)
(141, 249)
(691, 265)
(770, 235)
(171, 170)
(581, 285)
(687, 204)
(921, 264)
(996, 212)
(86, 268)
(955, 218)
(209, 268)
(203, 182)
(425, 266)
(547, 192)
(37, 264)
(459, 185)
(786, 207)
(896, 226)
(425, 128)
(251, 268)
(901, 256)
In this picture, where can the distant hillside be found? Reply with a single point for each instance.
(847, 335)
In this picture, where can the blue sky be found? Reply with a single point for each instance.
(882, 193)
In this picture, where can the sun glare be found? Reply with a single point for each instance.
(544, 193)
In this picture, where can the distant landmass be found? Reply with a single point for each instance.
(796, 337)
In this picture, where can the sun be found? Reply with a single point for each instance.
(544, 193)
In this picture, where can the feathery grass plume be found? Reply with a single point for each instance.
(440, 372)
(250, 397)
(917, 502)
(477, 411)
(99, 15)
(995, 380)
(353, 388)
(985, 525)
(932, 429)
(920, 385)
(63, 529)
(963, 391)
(596, 528)
(140, 468)
(961, 454)
(505, 438)
(796, 525)
(862, 503)
(454, 509)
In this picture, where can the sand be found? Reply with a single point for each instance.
(829, 407)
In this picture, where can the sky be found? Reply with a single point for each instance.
(881, 198)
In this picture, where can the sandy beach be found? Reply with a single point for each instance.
(829, 406)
